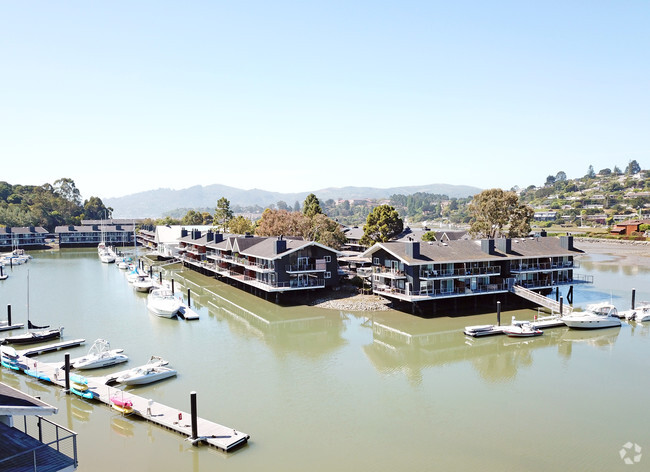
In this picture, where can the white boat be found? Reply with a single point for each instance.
(162, 302)
(153, 371)
(143, 283)
(640, 313)
(522, 330)
(106, 257)
(100, 355)
(598, 315)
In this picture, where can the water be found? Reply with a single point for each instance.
(324, 390)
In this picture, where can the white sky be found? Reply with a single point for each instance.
(294, 96)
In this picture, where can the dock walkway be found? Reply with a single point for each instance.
(174, 419)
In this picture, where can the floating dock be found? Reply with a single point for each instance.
(491, 330)
(187, 313)
(8, 327)
(208, 432)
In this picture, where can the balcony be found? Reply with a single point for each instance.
(386, 273)
(294, 269)
(308, 284)
(457, 273)
(35, 444)
(421, 295)
(544, 267)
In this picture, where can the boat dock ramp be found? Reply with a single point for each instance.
(197, 430)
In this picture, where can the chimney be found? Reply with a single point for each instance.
(566, 242)
(412, 249)
(280, 245)
(183, 232)
(196, 234)
(209, 236)
(504, 245)
(218, 237)
(95, 227)
(70, 227)
(487, 246)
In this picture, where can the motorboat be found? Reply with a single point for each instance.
(153, 371)
(597, 315)
(106, 257)
(522, 330)
(33, 337)
(162, 302)
(100, 355)
(640, 313)
(143, 283)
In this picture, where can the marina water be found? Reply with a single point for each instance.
(324, 390)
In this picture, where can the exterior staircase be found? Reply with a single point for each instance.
(540, 299)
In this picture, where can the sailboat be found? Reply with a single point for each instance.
(43, 333)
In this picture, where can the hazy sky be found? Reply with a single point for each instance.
(125, 96)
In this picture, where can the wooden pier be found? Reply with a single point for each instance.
(491, 330)
(174, 419)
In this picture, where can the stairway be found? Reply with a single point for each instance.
(540, 299)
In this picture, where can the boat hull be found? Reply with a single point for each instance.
(591, 324)
(33, 338)
(87, 364)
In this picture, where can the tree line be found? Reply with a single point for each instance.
(48, 205)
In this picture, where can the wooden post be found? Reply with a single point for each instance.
(633, 297)
(195, 428)
(172, 286)
(189, 303)
(160, 277)
(66, 368)
(8, 315)
(498, 313)
(561, 306)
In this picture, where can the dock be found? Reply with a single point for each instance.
(50, 347)
(492, 330)
(187, 313)
(174, 419)
(9, 327)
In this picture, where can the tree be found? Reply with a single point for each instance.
(223, 214)
(94, 209)
(282, 205)
(493, 209)
(632, 168)
(590, 172)
(382, 224)
(296, 206)
(282, 223)
(240, 225)
(192, 217)
(429, 236)
(326, 231)
(617, 171)
(605, 171)
(207, 218)
(66, 189)
(560, 176)
(311, 206)
(550, 180)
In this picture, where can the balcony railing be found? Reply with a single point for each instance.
(306, 268)
(544, 267)
(447, 273)
(311, 282)
(57, 449)
(437, 293)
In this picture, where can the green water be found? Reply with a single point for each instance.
(323, 390)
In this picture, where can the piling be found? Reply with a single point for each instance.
(498, 313)
(633, 297)
(193, 413)
(172, 286)
(189, 304)
(66, 368)
(561, 306)
(8, 315)
(150, 272)
(160, 277)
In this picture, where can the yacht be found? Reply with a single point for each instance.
(163, 303)
(598, 315)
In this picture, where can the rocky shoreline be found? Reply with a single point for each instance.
(350, 301)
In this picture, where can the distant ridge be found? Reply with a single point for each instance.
(154, 203)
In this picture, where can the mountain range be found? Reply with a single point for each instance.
(155, 203)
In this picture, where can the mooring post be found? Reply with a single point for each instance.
(172, 286)
(150, 272)
(8, 315)
(557, 294)
(561, 306)
(633, 297)
(195, 428)
(66, 368)
(189, 303)
(498, 313)
(160, 277)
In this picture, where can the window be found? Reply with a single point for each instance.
(375, 261)
(328, 275)
(328, 258)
